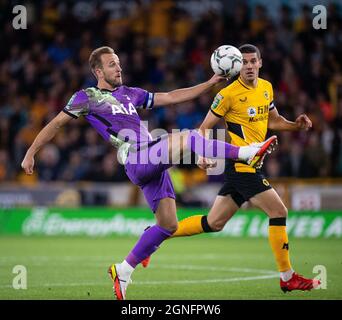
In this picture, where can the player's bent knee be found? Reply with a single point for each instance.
(283, 212)
(216, 226)
(279, 213)
(172, 227)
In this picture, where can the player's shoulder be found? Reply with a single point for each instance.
(125, 88)
(79, 97)
(264, 83)
(90, 91)
(135, 91)
(229, 89)
(129, 89)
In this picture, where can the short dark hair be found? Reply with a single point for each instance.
(95, 57)
(249, 48)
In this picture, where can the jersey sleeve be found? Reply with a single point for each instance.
(272, 105)
(145, 99)
(78, 105)
(220, 105)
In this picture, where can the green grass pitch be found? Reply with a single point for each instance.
(184, 268)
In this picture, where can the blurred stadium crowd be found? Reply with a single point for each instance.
(162, 47)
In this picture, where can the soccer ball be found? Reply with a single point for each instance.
(226, 61)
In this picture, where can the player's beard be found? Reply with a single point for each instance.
(113, 82)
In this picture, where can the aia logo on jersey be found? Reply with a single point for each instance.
(120, 108)
(251, 111)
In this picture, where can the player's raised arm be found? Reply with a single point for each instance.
(44, 136)
(185, 94)
(278, 122)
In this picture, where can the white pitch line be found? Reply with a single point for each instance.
(212, 268)
(207, 280)
(270, 274)
(109, 257)
(162, 282)
(167, 266)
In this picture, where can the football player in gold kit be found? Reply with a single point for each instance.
(248, 110)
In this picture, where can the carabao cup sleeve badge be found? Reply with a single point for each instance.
(216, 101)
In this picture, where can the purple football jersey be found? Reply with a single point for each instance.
(113, 113)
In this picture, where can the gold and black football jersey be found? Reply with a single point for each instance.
(245, 112)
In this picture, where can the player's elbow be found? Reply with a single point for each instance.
(204, 129)
(271, 125)
(276, 123)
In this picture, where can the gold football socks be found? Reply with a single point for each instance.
(191, 226)
(279, 242)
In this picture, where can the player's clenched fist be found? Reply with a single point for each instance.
(28, 164)
(303, 122)
(205, 163)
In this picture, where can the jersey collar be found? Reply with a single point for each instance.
(107, 90)
(246, 85)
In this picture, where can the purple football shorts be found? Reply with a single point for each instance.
(147, 166)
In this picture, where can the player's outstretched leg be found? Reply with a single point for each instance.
(253, 154)
(267, 146)
(223, 209)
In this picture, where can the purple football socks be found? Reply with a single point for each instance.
(147, 244)
(211, 148)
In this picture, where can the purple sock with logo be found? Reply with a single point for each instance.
(211, 148)
(147, 244)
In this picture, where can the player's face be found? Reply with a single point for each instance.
(111, 69)
(250, 67)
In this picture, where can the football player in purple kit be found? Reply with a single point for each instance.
(110, 108)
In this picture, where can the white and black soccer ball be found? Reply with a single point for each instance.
(226, 61)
